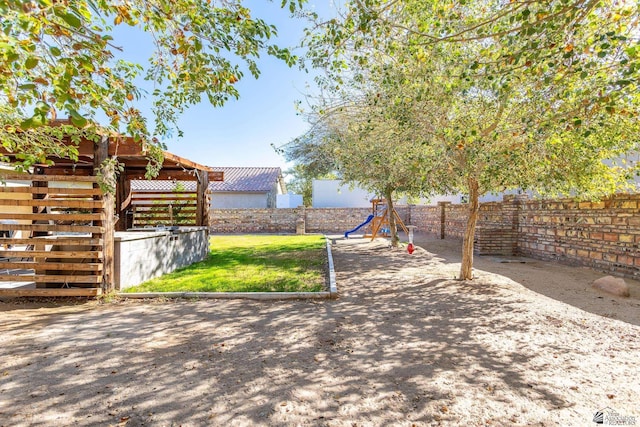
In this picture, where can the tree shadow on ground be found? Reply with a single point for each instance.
(399, 347)
(568, 284)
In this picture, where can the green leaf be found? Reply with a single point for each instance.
(31, 62)
(72, 20)
(27, 124)
(55, 51)
(76, 118)
(42, 107)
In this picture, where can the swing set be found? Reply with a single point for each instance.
(380, 221)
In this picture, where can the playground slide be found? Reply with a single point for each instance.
(367, 221)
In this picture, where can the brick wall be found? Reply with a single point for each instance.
(334, 220)
(427, 218)
(604, 235)
(497, 231)
(455, 220)
(254, 220)
(318, 220)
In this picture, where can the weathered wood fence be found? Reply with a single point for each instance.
(164, 208)
(54, 239)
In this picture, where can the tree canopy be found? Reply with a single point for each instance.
(537, 95)
(58, 59)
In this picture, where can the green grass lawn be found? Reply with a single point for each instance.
(250, 263)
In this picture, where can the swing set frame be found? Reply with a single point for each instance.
(380, 219)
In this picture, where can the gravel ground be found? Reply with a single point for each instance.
(526, 343)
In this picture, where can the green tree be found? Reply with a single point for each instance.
(58, 59)
(367, 137)
(537, 95)
(312, 158)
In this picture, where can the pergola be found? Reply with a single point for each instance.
(106, 213)
(131, 154)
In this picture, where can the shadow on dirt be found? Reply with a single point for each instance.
(402, 345)
(568, 284)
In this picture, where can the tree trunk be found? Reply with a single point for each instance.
(466, 267)
(393, 227)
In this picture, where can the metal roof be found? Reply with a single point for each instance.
(236, 179)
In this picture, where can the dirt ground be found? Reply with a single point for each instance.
(526, 343)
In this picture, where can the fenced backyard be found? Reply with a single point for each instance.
(604, 235)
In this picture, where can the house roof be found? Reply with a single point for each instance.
(236, 179)
(246, 179)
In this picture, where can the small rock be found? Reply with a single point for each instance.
(612, 285)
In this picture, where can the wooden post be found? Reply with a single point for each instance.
(100, 154)
(41, 267)
(443, 217)
(123, 201)
(202, 207)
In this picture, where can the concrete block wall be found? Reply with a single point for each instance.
(142, 255)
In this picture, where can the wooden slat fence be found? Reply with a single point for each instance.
(51, 236)
(164, 208)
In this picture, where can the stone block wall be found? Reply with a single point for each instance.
(604, 235)
(254, 220)
(334, 220)
(427, 218)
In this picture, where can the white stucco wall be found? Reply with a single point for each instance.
(330, 193)
(288, 201)
(238, 200)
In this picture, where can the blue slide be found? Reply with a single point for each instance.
(367, 221)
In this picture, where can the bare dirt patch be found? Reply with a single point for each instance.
(405, 344)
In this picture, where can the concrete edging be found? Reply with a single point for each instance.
(333, 287)
(331, 294)
(229, 295)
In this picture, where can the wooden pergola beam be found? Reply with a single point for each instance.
(166, 174)
(129, 152)
(173, 174)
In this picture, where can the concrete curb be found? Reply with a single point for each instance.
(229, 295)
(333, 288)
(332, 294)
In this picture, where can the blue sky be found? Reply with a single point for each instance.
(241, 132)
